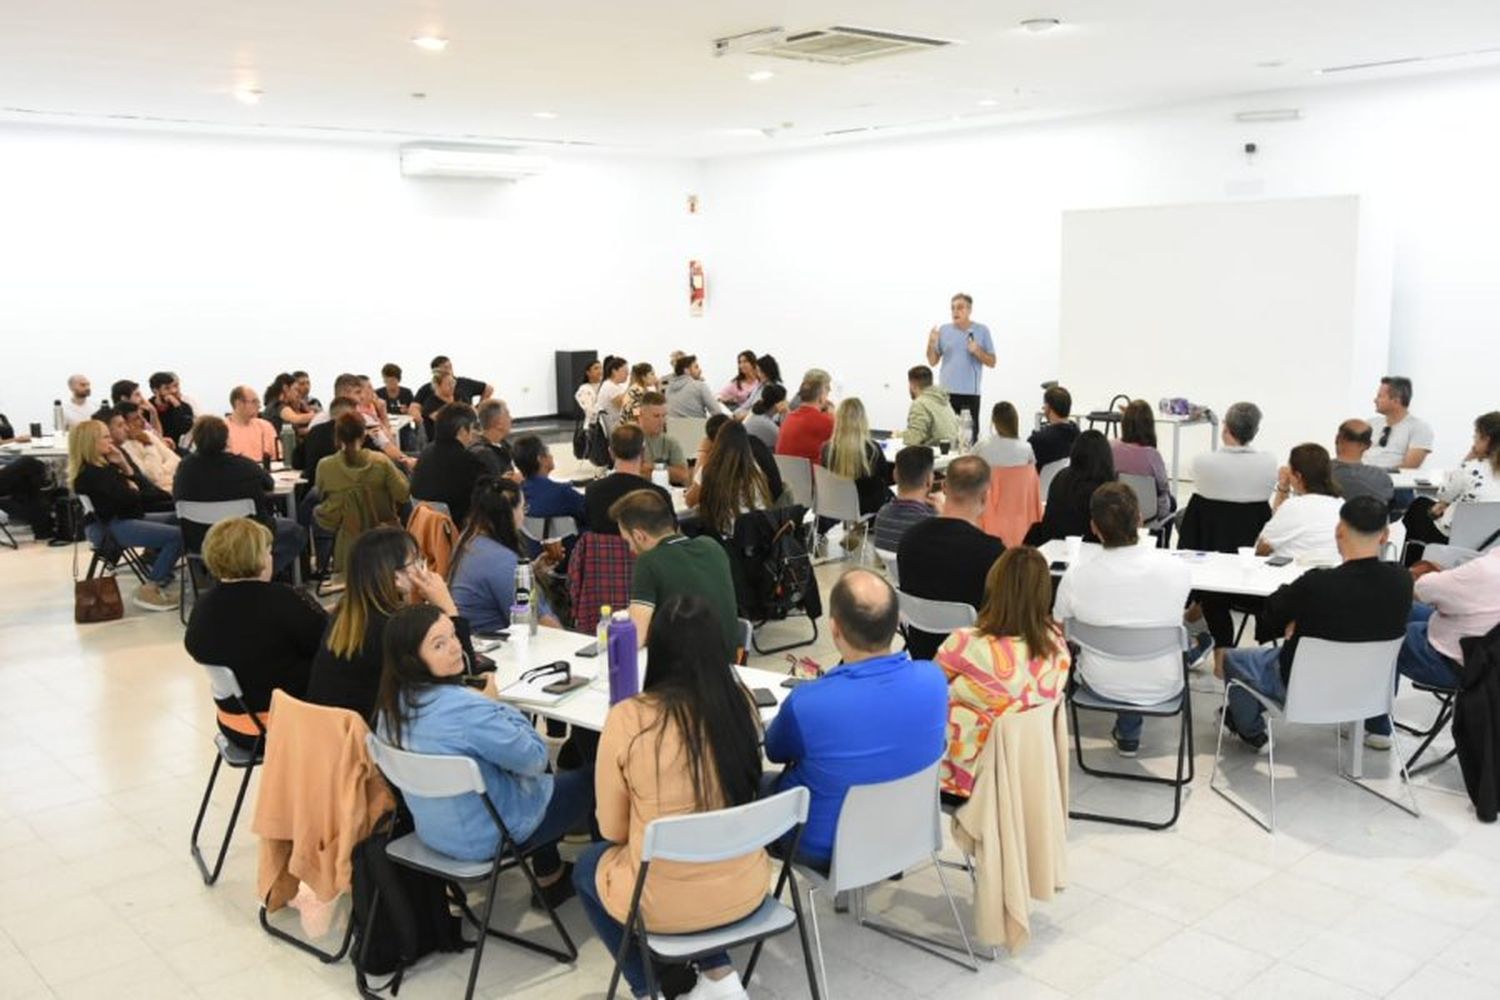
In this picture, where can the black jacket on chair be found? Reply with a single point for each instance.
(1476, 723)
(1221, 525)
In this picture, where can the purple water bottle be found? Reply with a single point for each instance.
(624, 674)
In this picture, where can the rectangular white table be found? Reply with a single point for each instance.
(1213, 572)
(1419, 480)
(1178, 422)
(587, 706)
(940, 461)
(44, 448)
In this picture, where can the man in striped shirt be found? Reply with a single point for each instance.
(914, 500)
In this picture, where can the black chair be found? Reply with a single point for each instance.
(108, 551)
(772, 570)
(1445, 698)
(226, 688)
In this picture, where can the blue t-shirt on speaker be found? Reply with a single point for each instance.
(959, 372)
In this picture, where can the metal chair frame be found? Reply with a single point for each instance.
(1445, 697)
(1180, 705)
(507, 856)
(226, 687)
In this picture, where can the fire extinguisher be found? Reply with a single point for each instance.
(696, 287)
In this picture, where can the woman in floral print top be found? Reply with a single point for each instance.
(1013, 659)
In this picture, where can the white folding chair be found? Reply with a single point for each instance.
(1133, 644)
(1331, 683)
(545, 528)
(884, 829)
(226, 687)
(704, 838)
(797, 476)
(838, 498)
(442, 776)
(937, 618)
(1049, 472)
(889, 561)
(206, 514)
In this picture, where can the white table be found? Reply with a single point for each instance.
(45, 448)
(1418, 480)
(940, 461)
(587, 706)
(1213, 572)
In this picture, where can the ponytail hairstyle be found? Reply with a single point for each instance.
(349, 433)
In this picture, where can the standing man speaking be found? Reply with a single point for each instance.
(964, 349)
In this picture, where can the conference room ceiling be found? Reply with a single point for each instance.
(642, 77)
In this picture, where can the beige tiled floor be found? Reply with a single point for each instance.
(105, 746)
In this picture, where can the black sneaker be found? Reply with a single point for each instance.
(1124, 747)
(1255, 742)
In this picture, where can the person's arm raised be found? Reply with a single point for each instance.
(933, 354)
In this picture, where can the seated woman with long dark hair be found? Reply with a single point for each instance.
(483, 574)
(1136, 454)
(425, 707)
(688, 743)
(1090, 465)
(386, 573)
(732, 482)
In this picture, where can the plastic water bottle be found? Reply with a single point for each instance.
(624, 674)
(965, 431)
(522, 624)
(660, 476)
(601, 631)
(57, 416)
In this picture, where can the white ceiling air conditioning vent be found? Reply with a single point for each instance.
(478, 162)
(844, 46)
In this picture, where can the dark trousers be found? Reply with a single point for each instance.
(960, 403)
(1421, 527)
(23, 484)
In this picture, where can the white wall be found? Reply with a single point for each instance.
(847, 256)
(229, 260)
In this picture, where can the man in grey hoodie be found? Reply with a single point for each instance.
(931, 418)
(687, 394)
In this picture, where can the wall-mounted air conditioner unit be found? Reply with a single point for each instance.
(481, 162)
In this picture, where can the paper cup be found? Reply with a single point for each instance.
(1075, 548)
(1247, 557)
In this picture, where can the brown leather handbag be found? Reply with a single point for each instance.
(97, 599)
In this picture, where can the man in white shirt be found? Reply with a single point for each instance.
(150, 454)
(76, 408)
(1236, 472)
(1402, 441)
(1125, 584)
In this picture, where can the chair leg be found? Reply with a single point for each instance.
(817, 938)
(360, 982)
(807, 958)
(213, 777)
(957, 920)
(210, 877)
(931, 945)
(489, 909)
(1223, 791)
(1355, 775)
(1271, 768)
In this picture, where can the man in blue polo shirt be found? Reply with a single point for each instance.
(877, 716)
(964, 349)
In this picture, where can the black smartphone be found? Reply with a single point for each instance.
(499, 636)
(764, 698)
(1059, 567)
(792, 682)
(565, 685)
(1279, 561)
(592, 649)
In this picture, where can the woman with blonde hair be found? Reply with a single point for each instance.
(120, 496)
(1012, 659)
(853, 454)
(266, 633)
(732, 481)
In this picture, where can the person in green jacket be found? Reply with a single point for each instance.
(931, 418)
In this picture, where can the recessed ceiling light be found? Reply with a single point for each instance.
(430, 43)
(544, 115)
(247, 95)
(759, 75)
(1036, 25)
(988, 102)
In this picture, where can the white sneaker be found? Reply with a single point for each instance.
(1377, 741)
(728, 988)
(150, 597)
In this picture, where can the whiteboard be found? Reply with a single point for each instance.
(1284, 303)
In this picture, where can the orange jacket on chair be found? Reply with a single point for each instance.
(1014, 503)
(320, 795)
(436, 535)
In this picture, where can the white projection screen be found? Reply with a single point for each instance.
(1284, 303)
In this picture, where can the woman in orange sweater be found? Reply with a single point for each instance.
(688, 743)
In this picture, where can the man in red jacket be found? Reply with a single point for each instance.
(806, 429)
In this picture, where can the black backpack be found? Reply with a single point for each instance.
(414, 918)
(772, 567)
